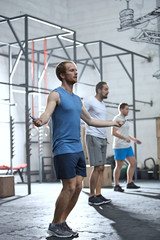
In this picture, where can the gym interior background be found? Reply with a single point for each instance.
(113, 41)
(117, 41)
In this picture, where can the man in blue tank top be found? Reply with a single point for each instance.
(66, 109)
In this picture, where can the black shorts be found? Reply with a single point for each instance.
(69, 165)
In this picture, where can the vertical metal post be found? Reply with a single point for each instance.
(158, 26)
(27, 108)
(74, 48)
(75, 56)
(40, 148)
(10, 100)
(101, 61)
(38, 67)
(134, 109)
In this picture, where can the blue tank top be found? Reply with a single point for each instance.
(66, 124)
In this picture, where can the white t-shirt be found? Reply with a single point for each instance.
(124, 131)
(96, 110)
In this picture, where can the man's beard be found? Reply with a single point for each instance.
(104, 97)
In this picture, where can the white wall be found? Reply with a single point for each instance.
(92, 20)
(51, 10)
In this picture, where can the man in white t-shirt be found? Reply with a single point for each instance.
(123, 150)
(96, 143)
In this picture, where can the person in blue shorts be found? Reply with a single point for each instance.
(65, 108)
(123, 150)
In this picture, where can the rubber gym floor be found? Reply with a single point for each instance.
(132, 215)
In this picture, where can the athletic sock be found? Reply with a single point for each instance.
(53, 225)
(57, 224)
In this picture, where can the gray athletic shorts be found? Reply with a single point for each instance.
(96, 149)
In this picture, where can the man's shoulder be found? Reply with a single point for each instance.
(76, 95)
(54, 95)
(56, 90)
(117, 117)
(89, 99)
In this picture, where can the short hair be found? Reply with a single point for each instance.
(61, 68)
(100, 86)
(122, 106)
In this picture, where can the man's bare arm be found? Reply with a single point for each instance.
(85, 116)
(116, 134)
(52, 102)
(135, 140)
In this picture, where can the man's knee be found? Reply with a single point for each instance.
(78, 187)
(132, 162)
(70, 188)
(69, 185)
(118, 165)
(99, 168)
(79, 183)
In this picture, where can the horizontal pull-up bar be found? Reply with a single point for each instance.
(23, 85)
(131, 109)
(150, 103)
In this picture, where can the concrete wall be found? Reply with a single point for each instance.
(92, 20)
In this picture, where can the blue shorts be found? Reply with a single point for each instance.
(122, 153)
(69, 165)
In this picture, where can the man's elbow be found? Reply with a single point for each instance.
(113, 134)
(90, 122)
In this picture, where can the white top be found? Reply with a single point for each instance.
(96, 110)
(124, 131)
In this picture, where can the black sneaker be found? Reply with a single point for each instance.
(59, 230)
(95, 201)
(105, 200)
(74, 234)
(132, 185)
(118, 188)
